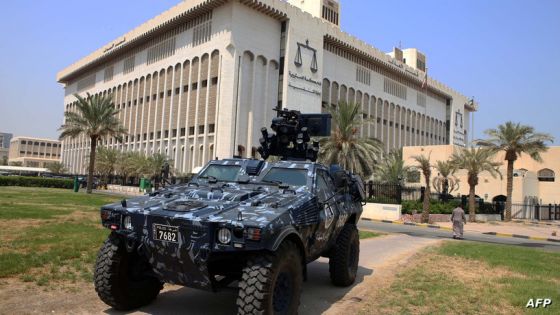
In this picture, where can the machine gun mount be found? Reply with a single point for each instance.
(293, 132)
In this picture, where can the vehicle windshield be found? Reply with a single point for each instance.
(286, 176)
(226, 173)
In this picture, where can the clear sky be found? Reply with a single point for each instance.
(504, 53)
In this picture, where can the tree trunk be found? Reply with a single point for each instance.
(93, 147)
(472, 204)
(426, 203)
(509, 189)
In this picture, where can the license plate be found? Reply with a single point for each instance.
(166, 233)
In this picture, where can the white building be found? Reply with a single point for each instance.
(201, 79)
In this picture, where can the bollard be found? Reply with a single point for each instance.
(142, 184)
(76, 184)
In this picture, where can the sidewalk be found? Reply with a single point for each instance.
(538, 232)
(511, 228)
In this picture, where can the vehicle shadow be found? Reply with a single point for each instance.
(317, 296)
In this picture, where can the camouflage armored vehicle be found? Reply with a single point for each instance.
(244, 221)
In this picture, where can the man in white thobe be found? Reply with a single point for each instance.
(458, 219)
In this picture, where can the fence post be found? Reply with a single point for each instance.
(537, 212)
(399, 194)
(550, 211)
(557, 212)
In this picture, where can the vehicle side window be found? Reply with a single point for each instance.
(324, 186)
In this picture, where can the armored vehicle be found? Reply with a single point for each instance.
(248, 222)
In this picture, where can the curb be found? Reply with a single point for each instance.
(424, 225)
(523, 236)
(535, 223)
(433, 226)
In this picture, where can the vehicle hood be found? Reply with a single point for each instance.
(253, 204)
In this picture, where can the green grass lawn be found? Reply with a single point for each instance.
(49, 234)
(369, 234)
(474, 278)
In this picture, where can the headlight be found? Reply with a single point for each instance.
(127, 222)
(224, 236)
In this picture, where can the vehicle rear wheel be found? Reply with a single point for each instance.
(343, 262)
(271, 283)
(121, 279)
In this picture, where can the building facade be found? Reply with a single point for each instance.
(533, 182)
(201, 79)
(35, 152)
(4, 146)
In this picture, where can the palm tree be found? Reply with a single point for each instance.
(56, 168)
(423, 163)
(345, 147)
(475, 161)
(105, 161)
(391, 169)
(95, 117)
(154, 165)
(445, 183)
(515, 139)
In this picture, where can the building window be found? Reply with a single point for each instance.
(214, 80)
(161, 50)
(23, 142)
(151, 136)
(108, 75)
(546, 175)
(194, 86)
(86, 83)
(158, 135)
(185, 89)
(211, 128)
(201, 129)
(183, 130)
(191, 131)
(363, 75)
(204, 83)
(129, 64)
(202, 31)
(177, 90)
(394, 88)
(166, 133)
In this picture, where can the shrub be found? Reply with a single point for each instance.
(36, 182)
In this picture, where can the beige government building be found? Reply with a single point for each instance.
(199, 81)
(34, 152)
(533, 182)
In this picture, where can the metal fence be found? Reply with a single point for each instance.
(535, 211)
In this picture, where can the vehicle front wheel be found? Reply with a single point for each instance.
(122, 279)
(271, 283)
(343, 262)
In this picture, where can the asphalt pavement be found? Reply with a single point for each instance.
(431, 233)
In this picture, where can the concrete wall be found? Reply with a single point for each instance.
(378, 211)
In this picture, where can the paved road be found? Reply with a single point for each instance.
(318, 294)
(443, 234)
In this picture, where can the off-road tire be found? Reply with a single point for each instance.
(113, 281)
(271, 283)
(343, 262)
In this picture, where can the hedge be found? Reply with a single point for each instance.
(438, 207)
(25, 181)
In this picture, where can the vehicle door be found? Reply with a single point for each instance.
(328, 210)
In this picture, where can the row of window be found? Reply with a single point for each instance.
(54, 155)
(395, 89)
(330, 15)
(43, 144)
(194, 87)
